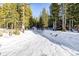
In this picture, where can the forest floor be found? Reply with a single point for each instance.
(40, 43)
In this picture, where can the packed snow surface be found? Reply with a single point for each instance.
(44, 43)
(68, 40)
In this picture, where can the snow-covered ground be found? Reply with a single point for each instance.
(67, 40)
(33, 44)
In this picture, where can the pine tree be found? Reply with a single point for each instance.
(54, 14)
(11, 15)
(44, 18)
(14, 15)
(25, 14)
(73, 15)
(1, 17)
(63, 15)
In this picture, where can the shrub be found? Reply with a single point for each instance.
(10, 33)
(16, 32)
(1, 34)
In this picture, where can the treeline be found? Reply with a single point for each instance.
(19, 15)
(62, 17)
(14, 15)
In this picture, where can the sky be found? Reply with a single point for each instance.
(37, 8)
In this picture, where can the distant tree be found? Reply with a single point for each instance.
(40, 23)
(44, 18)
(33, 22)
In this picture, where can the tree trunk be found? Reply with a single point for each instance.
(55, 24)
(63, 17)
(63, 23)
(23, 28)
(6, 25)
(12, 26)
(65, 8)
(70, 25)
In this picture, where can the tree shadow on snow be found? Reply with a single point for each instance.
(57, 42)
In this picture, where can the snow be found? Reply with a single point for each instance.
(67, 40)
(30, 44)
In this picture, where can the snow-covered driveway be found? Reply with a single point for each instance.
(29, 44)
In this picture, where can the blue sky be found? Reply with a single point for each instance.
(37, 8)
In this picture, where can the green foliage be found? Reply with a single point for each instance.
(16, 14)
(1, 17)
(40, 22)
(33, 22)
(25, 13)
(54, 11)
(54, 14)
(44, 19)
(73, 13)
